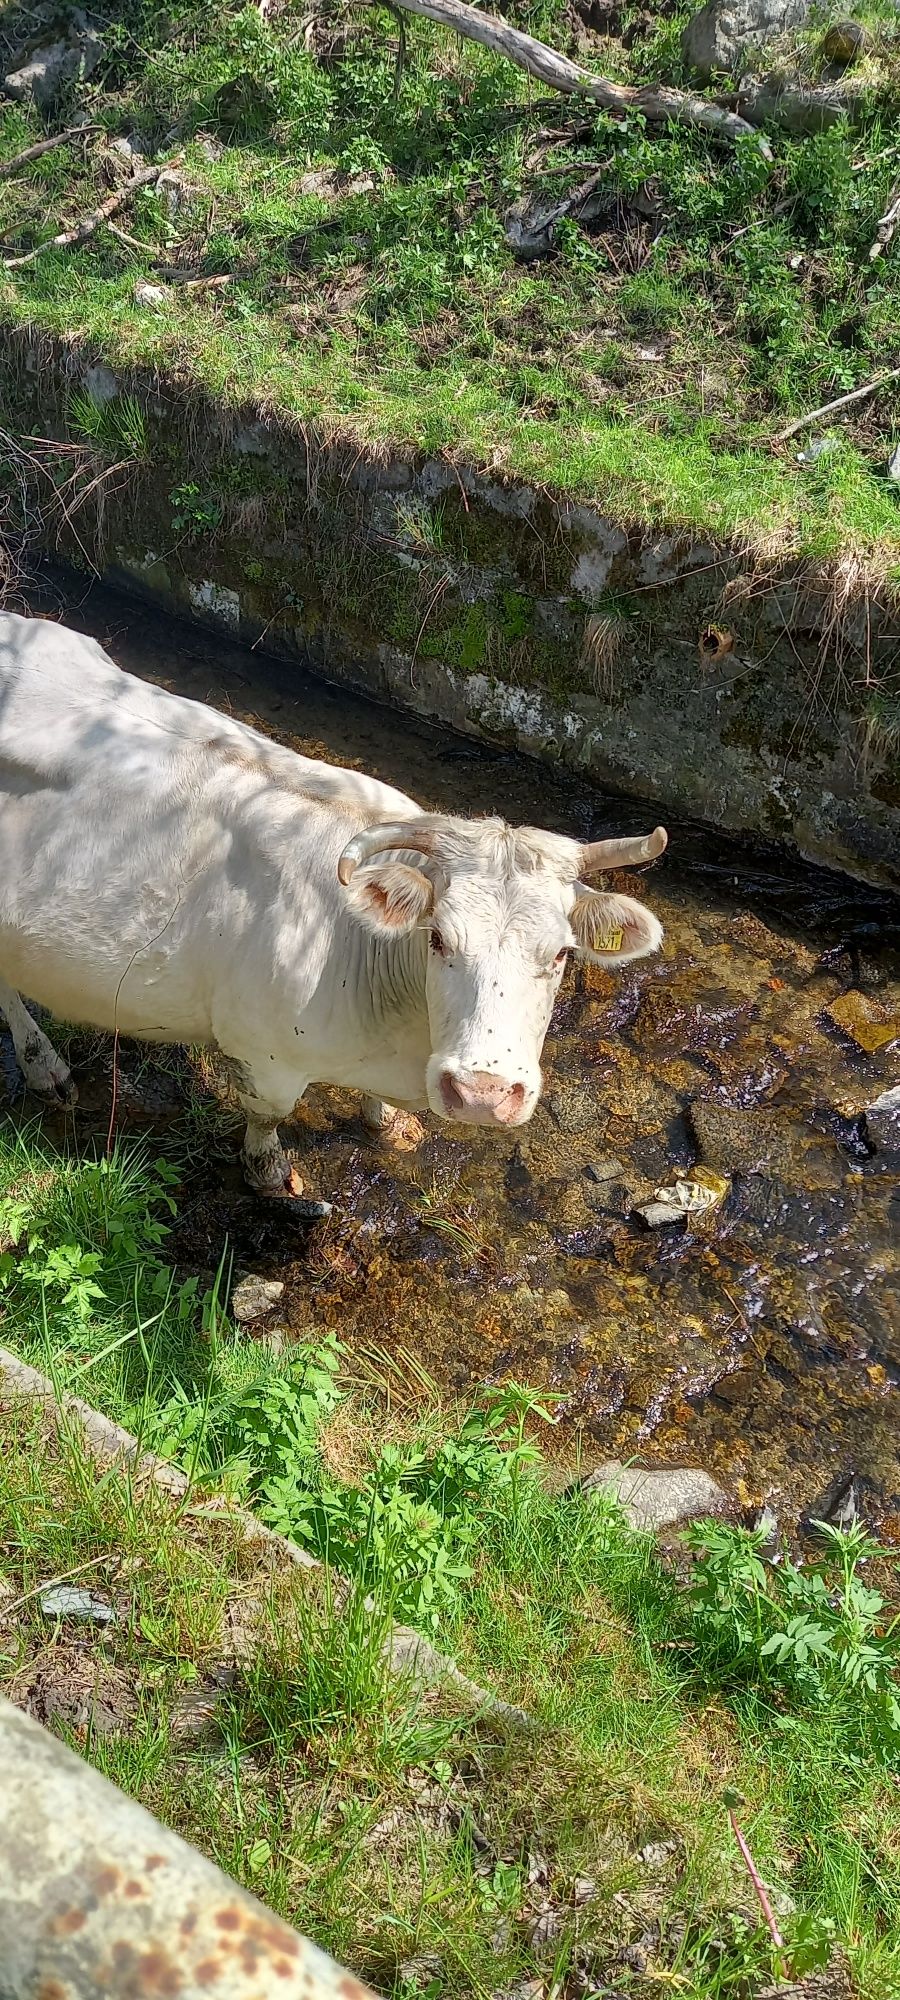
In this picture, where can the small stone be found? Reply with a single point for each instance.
(883, 1120)
(657, 1853)
(420, 1971)
(893, 465)
(820, 447)
(657, 1214)
(865, 1021)
(602, 1171)
(254, 1296)
(844, 41)
(275, 1338)
(145, 294)
(68, 1600)
(128, 151)
(652, 1500)
(181, 197)
(766, 1525)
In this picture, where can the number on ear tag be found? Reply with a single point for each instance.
(612, 942)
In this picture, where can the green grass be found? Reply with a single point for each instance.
(430, 1849)
(394, 312)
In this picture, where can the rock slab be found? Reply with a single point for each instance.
(725, 30)
(658, 1499)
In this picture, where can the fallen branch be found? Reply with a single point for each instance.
(887, 225)
(88, 224)
(758, 1884)
(840, 403)
(556, 71)
(9, 167)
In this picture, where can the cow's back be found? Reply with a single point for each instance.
(148, 842)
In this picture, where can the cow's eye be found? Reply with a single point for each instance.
(437, 943)
(561, 956)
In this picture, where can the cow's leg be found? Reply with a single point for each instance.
(44, 1071)
(401, 1131)
(266, 1165)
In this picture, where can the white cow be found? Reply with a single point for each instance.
(169, 873)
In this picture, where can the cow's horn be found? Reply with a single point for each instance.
(598, 855)
(410, 833)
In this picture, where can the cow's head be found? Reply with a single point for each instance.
(501, 907)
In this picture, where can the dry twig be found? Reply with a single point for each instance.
(840, 403)
(88, 224)
(9, 167)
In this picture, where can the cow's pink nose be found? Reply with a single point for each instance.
(477, 1098)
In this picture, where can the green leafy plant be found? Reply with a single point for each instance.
(194, 512)
(817, 1631)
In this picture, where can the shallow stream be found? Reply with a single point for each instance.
(762, 1341)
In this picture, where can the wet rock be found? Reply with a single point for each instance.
(604, 1171)
(254, 1296)
(748, 1141)
(882, 1121)
(659, 1499)
(69, 1600)
(844, 41)
(837, 1507)
(866, 1022)
(51, 67)
(724, 30)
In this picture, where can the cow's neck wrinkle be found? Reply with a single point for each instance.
(394, 970)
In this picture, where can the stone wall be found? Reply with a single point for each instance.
(685, 673)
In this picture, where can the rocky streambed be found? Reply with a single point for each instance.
(758, 1334)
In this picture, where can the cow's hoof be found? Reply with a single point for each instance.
(402, 1135)
(51, 1080)
(275, 1178)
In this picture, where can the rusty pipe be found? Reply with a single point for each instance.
(98, 1901)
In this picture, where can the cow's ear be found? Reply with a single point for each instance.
(613, 929)
(391, 898)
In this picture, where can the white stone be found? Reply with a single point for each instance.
(68, 1600)
(145, 294)
(217, 601)
(658, 1499)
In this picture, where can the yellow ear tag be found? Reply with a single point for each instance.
(612, 942)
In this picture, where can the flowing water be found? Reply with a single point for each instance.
(763, 1340)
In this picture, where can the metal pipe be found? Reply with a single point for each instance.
(100, 1902)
